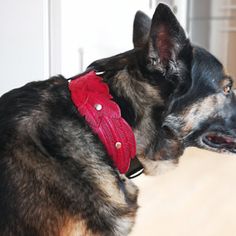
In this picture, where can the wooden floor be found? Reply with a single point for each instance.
(198, 198)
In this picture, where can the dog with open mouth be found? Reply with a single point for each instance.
(67, 146)
(202, 112)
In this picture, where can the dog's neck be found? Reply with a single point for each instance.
(138, 102)
(141, 101)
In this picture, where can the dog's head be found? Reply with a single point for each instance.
(205, 116)
(182, 89)
(201, 111)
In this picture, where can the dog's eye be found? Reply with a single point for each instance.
(227, 89)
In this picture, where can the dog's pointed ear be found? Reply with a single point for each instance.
(141, 28)
(166, 39)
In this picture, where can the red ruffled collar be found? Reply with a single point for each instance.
(92, 99)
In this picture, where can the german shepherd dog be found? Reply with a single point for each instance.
(56, 177)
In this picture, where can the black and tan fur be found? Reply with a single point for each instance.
(55, 175)
(201, 111)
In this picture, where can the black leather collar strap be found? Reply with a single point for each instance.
(135, 169)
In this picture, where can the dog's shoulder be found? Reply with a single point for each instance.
(32, 96)
(54, 169)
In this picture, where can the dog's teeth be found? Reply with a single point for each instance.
(229, 140)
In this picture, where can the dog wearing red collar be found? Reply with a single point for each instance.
(66, 146)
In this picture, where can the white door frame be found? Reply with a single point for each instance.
(52, 37)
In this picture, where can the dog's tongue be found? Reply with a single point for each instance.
(223, 140)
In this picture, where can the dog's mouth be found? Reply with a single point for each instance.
(220, 142)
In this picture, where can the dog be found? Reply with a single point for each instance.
(58, 174)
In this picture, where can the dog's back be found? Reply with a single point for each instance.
(55, 177)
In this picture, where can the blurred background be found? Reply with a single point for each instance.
(47, 37)
(42, 38)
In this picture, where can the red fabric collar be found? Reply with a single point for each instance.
(93, 101)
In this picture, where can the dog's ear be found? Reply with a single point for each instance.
(141, 28)
(166, 39)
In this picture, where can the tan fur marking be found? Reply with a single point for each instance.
(74, 227)
(108, 184)
(202, 110)
(154, 167)
(197, 113)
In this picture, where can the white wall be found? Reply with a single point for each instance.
(44, 37)
(181, 13)
(22, 42)
(100, 28)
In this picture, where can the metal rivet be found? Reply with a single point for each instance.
(98, 107)
(118, 145)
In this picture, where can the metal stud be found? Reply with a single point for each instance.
(118, 145)
(98, 107)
